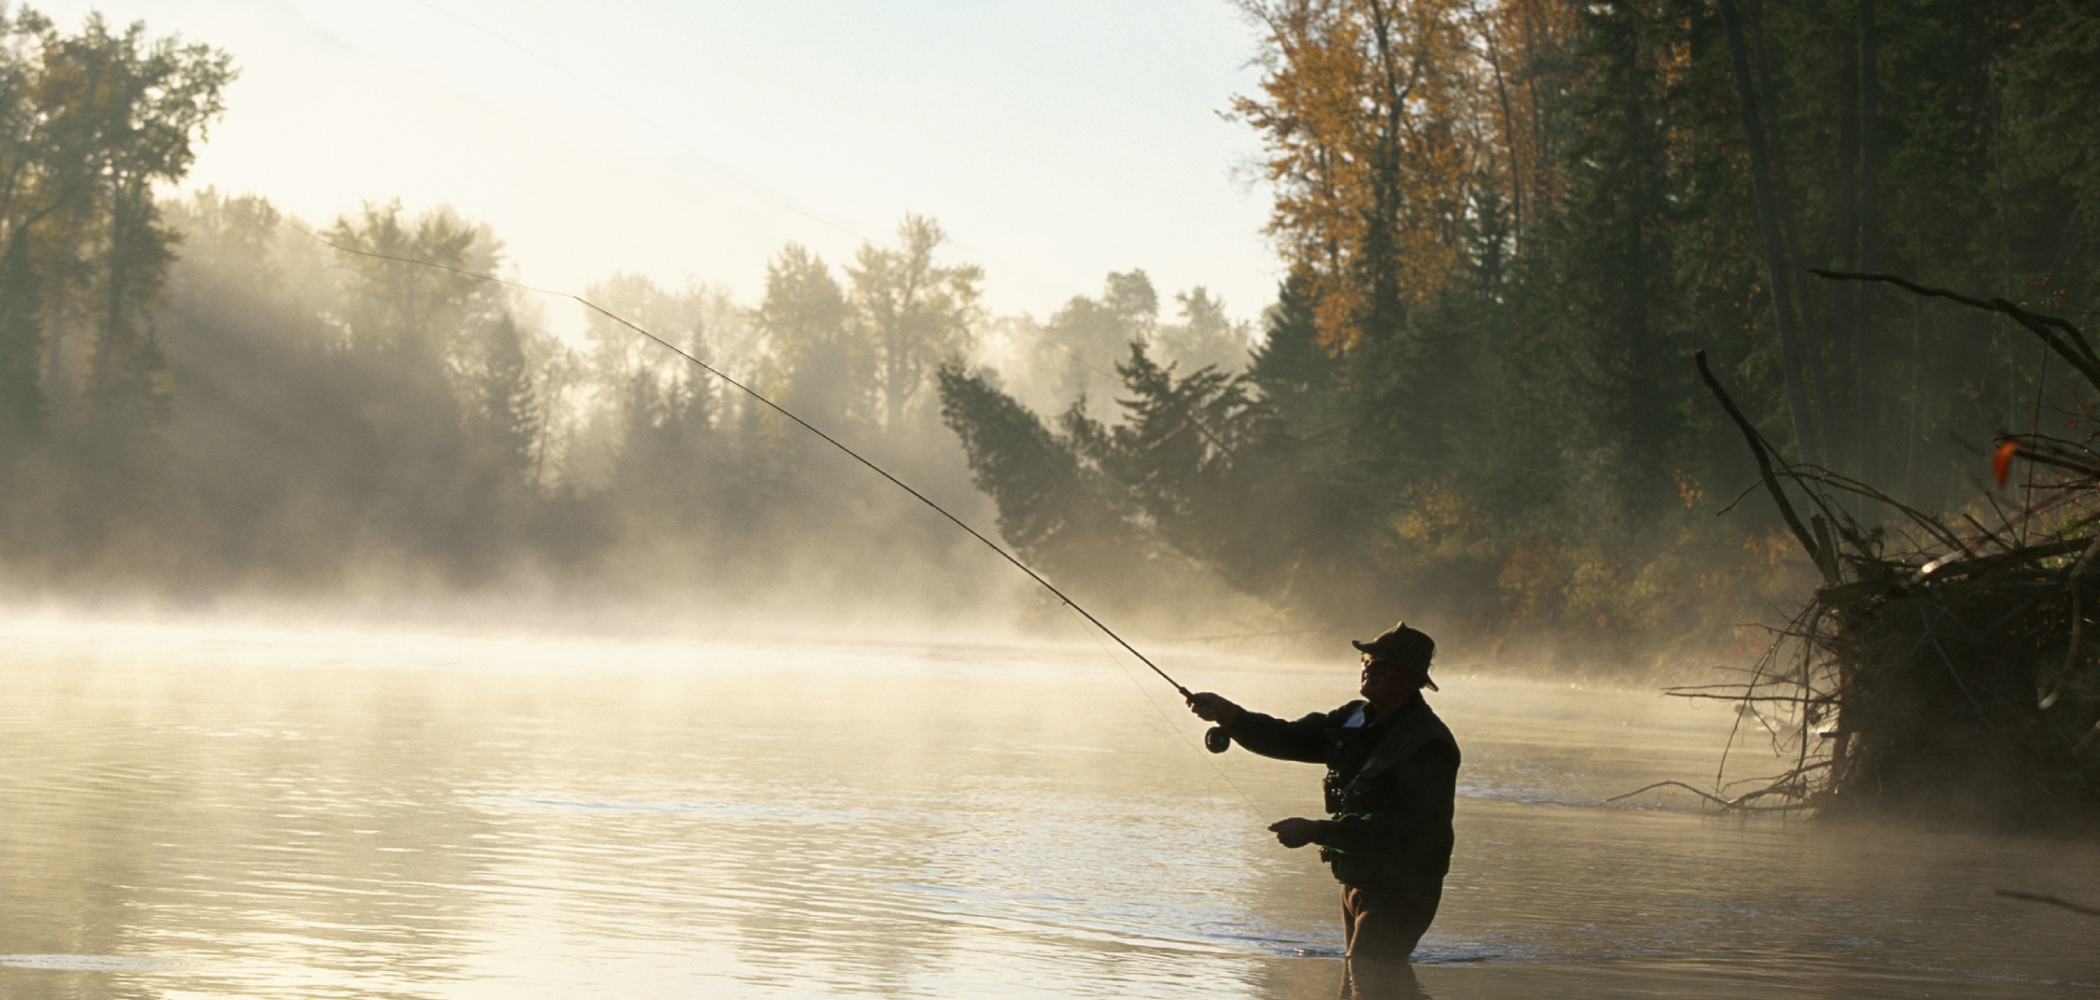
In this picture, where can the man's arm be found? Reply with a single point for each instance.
(1304, 740)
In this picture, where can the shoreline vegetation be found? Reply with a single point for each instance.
(1507, 225)
(1940, 668)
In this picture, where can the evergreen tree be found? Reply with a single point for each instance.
(1295, 374)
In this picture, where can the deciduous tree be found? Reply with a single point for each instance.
(915, 313)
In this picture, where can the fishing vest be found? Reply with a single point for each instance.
(1359, 756)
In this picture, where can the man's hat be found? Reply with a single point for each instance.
(1407, 647)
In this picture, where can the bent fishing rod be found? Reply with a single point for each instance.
(783, 411)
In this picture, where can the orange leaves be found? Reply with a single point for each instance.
(2001, 460)
(1377, 118)
(1688, 488)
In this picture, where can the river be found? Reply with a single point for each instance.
(213, 809)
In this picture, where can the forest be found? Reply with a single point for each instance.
(1508, 227)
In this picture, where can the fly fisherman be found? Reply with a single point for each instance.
(1392, 771)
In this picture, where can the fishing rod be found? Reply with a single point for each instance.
(1209, 740)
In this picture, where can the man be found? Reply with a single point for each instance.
(1392, 772)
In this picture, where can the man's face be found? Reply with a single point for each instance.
(1385, 682)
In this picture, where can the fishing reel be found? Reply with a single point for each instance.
(1217, 739)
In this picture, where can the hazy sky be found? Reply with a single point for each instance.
(1055, 141)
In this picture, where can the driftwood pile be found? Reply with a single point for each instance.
(1939, 669)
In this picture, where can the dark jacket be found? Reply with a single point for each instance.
(1390, 784)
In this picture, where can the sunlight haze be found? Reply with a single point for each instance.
(1055, 142)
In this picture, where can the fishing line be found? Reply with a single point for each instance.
(777, 408)
(1169, 722)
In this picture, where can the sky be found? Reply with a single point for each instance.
(689, 140)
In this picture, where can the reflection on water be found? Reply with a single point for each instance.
(210, 811)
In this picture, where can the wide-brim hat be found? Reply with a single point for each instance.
(1402, 646)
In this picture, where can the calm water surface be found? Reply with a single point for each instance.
(210, 810)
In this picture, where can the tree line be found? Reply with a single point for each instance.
(1506, 227)
(206, 397)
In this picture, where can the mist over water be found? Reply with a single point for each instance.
(216, 809)
(369, 630)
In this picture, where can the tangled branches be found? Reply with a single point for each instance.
(1941, 666)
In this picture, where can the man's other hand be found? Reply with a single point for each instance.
(1295, 832)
